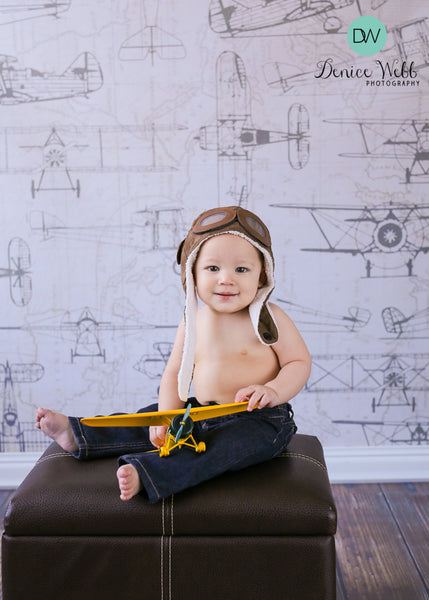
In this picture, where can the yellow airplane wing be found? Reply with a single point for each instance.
(165, 417)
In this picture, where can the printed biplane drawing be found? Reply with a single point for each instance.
(407, 42)
(234, 17)
(17, 271)
(23, 85)
(82, 330)
(14, 435)
(158, 228)
(12, 11)
(391, 230)
(234, 136)
(56, 153)
(309, 319)
(153, 365)
(54, 173)
(389, 379)
(88, 330)
(405, 141)
(415, 325)
(412, 432)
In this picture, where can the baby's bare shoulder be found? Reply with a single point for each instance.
(290, 345)
(280, 315)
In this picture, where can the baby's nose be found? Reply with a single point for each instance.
(226, 277)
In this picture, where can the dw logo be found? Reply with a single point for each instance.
(366, 36)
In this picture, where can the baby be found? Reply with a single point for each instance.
(232, 345)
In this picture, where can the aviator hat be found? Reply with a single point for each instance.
(217, 221)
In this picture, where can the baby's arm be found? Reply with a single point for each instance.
(295, 366)
(168, 398)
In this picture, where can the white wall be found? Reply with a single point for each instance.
(99, 188)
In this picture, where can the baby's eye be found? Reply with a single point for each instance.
(212, 268)
(241, 269)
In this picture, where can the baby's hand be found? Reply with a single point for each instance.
(157, 435)
(263, 394)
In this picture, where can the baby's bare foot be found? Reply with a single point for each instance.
(129, 481)
(57, 427)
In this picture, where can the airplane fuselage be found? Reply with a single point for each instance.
(231, 138)
(33, 86)
(30, 85)
(228, 16)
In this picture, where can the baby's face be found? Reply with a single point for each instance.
(227, 273)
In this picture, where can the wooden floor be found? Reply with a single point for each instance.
(382, 540)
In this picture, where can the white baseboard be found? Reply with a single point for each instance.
(355, 464)
(376, 464)
(14, 467)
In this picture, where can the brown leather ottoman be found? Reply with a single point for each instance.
(264, 532)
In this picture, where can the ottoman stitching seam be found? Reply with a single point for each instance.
(305, 457)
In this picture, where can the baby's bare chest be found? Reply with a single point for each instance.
(239, 354)
(221, 370)
(232, 349)
(228, 356)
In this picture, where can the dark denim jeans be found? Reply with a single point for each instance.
(233, 442)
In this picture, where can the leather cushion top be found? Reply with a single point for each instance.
(289, 495)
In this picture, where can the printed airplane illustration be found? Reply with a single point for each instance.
(408, 42)
(309, 319)
(414, 326)
(391, 376)
(159, 228)
(388, 230)
(17, 271)
(12, 11)
(83, 330)
(54, 174)
(12, 433)
(153, 365)
(87, 337)
(233, 17)
(408, 144)
(234, 137)
(22, 85)
(151, 41)
(56, 152)
(410, 431)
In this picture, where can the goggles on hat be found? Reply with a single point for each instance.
(219, 218)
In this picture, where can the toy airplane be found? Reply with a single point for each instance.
(180, 423)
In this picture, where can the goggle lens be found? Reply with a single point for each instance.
(210, 220)
(256, 227)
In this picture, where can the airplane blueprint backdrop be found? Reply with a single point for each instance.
(120, 121)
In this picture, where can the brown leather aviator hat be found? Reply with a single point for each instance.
(217, 221)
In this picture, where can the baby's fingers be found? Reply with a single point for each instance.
(157, 436)
(244, 394)
(255, 399)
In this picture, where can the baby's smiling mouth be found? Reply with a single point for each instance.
(226, 294)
